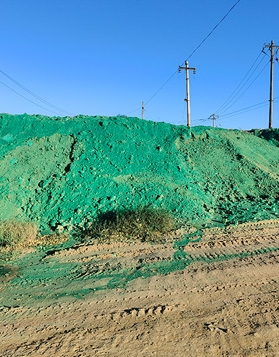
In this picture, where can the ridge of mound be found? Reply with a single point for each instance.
(63, 172)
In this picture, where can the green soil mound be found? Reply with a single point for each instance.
(63, 172)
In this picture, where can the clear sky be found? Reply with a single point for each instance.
(104, 57)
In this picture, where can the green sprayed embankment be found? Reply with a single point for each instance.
(62, 172)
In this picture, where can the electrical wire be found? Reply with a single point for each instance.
(238, 112)
(214, 28)
(225, 107)
(195, 50)
(167, 81)
(237, 89)
(244, 110)
(241, 94)
(32, 94)
(199, 120)
(27, 98)
(132, 111)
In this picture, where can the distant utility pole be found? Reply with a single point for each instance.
(271, 47)
(142, 110)
(187, 99)
(214, 117)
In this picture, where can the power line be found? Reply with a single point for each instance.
(32, 94)
(241, 94)
(235, 92)
(214, 28)
(238, 112)
(200, 44)
(27, 98)
(243, 110)
(161, 87)
(132, 111)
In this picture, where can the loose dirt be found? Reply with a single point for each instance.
(211, 287)
(62, 172)
(224, 302)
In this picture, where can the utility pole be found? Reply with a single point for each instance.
(187, 99)
(142, 110)
(214, 117)
(271, 47)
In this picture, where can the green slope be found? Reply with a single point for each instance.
(62, 172)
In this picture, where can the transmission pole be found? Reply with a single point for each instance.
(271, 47)
(214, 117)
(142, 110)
(187, 99)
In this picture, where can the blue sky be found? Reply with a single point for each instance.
(104, 57)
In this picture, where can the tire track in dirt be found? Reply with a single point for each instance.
(215, 245)
(239, 242)
(213, 307)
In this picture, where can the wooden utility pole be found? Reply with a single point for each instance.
(187, 99)
(142, 110)
(271, 47)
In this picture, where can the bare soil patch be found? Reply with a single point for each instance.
(223, 303)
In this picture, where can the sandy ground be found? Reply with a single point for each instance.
(213, 307)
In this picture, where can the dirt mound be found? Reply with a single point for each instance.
(62, 172)
(204, 291)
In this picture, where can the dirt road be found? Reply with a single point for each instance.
(225, 302)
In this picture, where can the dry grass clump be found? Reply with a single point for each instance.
(14, 234)
(144, 224)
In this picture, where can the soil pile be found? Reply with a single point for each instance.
(63, 172)
(210, 289)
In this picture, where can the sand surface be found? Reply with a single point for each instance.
(213, 307)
